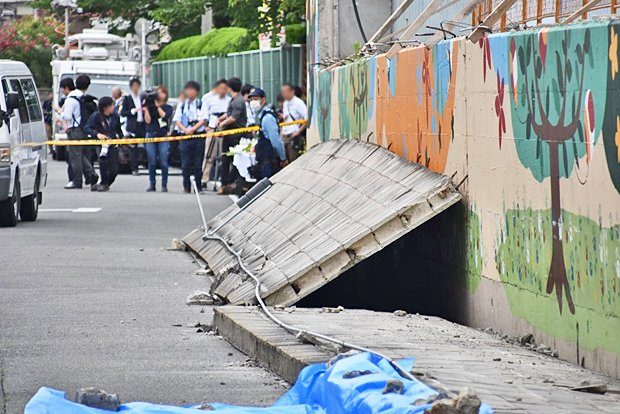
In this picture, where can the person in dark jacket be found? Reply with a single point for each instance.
(270, 155)
(134, 114)
(158, 117)
(105, 125)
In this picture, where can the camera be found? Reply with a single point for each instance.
(149, 97)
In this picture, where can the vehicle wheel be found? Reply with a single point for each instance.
(29, 209)
(9, 209)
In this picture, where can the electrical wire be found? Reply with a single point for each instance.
(359, 21)
(298, 332)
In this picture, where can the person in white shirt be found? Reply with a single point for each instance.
(214, 105)
(72, 115)
(294, 109)
(117, 95)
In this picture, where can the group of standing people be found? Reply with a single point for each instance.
(226, 106)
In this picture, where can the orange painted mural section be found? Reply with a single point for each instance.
(407, 117)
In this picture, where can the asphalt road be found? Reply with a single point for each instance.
(91, 298)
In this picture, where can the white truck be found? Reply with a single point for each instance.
(109, 60)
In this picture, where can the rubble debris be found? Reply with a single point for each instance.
(585, 386)
(442, 407)
(355, 374)
(202, 328)
(97, 398)
(327, 309)
(394, 387)
(200, 298)
(177, 246)
(400, 313)
(204, 272)
(526, 339)
(467, 402)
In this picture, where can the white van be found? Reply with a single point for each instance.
(23, 149)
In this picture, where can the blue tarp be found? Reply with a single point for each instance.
(352, 385)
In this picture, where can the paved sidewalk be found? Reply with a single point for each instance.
(510, 378)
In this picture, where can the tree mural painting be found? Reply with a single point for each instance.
(558, 100)
(323, 103)
(611, 128)
(415, 104)
(356, 91)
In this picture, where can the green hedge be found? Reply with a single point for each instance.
(295, 34)
(216, 42)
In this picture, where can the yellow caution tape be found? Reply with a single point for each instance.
(132, 141)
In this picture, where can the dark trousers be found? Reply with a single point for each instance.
(133, 149)
(79, 158)
(192, 154)
(108, 167)
(229, 171)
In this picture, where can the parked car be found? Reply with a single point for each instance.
(23, 152)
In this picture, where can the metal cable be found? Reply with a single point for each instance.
(298, 332)
(359, 21)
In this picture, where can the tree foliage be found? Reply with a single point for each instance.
(266, 16)
(183, 17)
(30, 40)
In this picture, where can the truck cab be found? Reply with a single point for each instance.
(23, 148)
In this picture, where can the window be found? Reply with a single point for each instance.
(32, 100)
(5, 90)
(23, 110)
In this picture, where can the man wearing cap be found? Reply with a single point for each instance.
(270, 155)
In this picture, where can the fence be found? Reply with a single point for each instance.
(541, 11)
(266, 69)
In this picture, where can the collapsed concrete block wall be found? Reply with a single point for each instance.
(529, 122)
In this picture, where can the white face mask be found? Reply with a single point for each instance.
(255, 106)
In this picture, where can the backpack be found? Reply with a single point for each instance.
(267, 161)
(88, 106)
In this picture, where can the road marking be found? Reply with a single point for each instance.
(71, 210)
(233, 197)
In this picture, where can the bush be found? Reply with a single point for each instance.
(217, 42)
(295, 34)
(29, 40)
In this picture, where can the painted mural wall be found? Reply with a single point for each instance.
(529, 124)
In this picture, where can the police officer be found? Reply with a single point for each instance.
(270, 155)
(189, 121)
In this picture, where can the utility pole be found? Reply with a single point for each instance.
(67, 5)
(142, 29)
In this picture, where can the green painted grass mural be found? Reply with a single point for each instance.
(592, 261)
